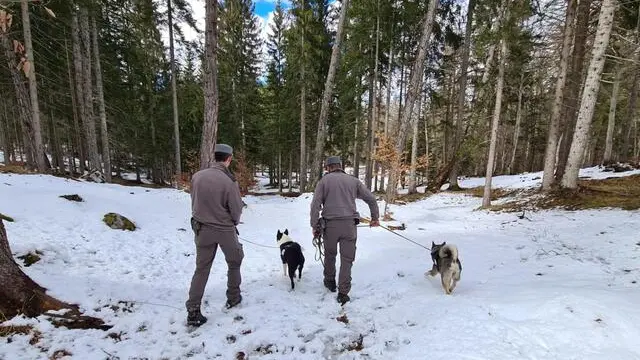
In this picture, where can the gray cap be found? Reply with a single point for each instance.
(333, 160)
(223, 148)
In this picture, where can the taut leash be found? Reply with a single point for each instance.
(404, 237)
(254, 243)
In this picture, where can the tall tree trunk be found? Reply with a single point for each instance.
(516, 131)
(95, 163)
(376, 95)
(316, 165)
(589, 94)
(574, 85)
(633, 97)
(415, 85)
(174, 96)
(608, 148)
(280, 185)
(462, 92)
(39, 153)
(23, 103)
(77, 136)
(356, 143)
(368, 172)
(486, 198)
(210, 125)
(554, 126)
(290, 174)
(104, 133)
(303, 112)
(414, 150)
(4, 134)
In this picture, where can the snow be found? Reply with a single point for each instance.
(554, 285)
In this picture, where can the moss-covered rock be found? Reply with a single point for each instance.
(119, 222)
(30, 258)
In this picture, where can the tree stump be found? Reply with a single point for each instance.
(19, 294)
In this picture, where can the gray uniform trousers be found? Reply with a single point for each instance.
(343, 232)
(207, 241)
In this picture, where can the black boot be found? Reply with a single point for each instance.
(195, 317)
(230, 304)
(343, 298)
(330, 284)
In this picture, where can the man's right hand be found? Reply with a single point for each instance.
(374, 223)
(316, 232)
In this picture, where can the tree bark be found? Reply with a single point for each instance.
(516, 131)
(414, 151)
(574, 85)
(19, 294)
(356, 143)
(89, 121)
(316, 165)
(486, 198)
(554, 126)
(462, 92)
(23, 103)
(104, 133)
(303, 113)
(368, 172)
(36, 127)
(210, 125)
(73, 92)
(589, 94)
(174, 96)
(608, 148)
(415, 85)
(633, 97)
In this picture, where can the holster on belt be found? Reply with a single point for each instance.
(195, 226)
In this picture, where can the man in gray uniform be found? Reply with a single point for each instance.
(336, 195)
(216, 207)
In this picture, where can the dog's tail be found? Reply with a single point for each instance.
(450, 251)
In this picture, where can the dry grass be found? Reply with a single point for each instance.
(622, 193)
(15, 169)
(495, 193)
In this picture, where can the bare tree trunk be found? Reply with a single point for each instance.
(633, 97)
(574, 85)
(174, 96)
(368, 172)
(89, 124)
(516, 131)
(73, 91)
(415, 84)
(4, 134)
(104, 133)
(589, 94)
(462, 92)
(210, 125)
(290, 174)
(486, 198)
(23, 103)
(33, 90)
(376, 94)
(356, 143)
(608, 148)
(426, 147)
(316, 165)
(554, 126)
(303, 113)
(414, 150)
(280, 186)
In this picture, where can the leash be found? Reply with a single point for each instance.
(317, 243)
(404, 237)
(254, 243)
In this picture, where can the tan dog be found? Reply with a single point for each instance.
(446, 262)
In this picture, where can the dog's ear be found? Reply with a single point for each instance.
(433, 244)
(286, 231)
(444, 243)
(278, 235)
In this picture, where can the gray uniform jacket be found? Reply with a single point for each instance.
(336, 195)
(215, 198)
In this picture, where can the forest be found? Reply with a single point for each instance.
(408, 92)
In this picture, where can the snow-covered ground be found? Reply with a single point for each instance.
(555, 285)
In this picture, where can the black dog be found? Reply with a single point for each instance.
(291, 255)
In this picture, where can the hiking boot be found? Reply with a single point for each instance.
(343, 298)
(330, 284)
(230, 304)
(195, 317)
